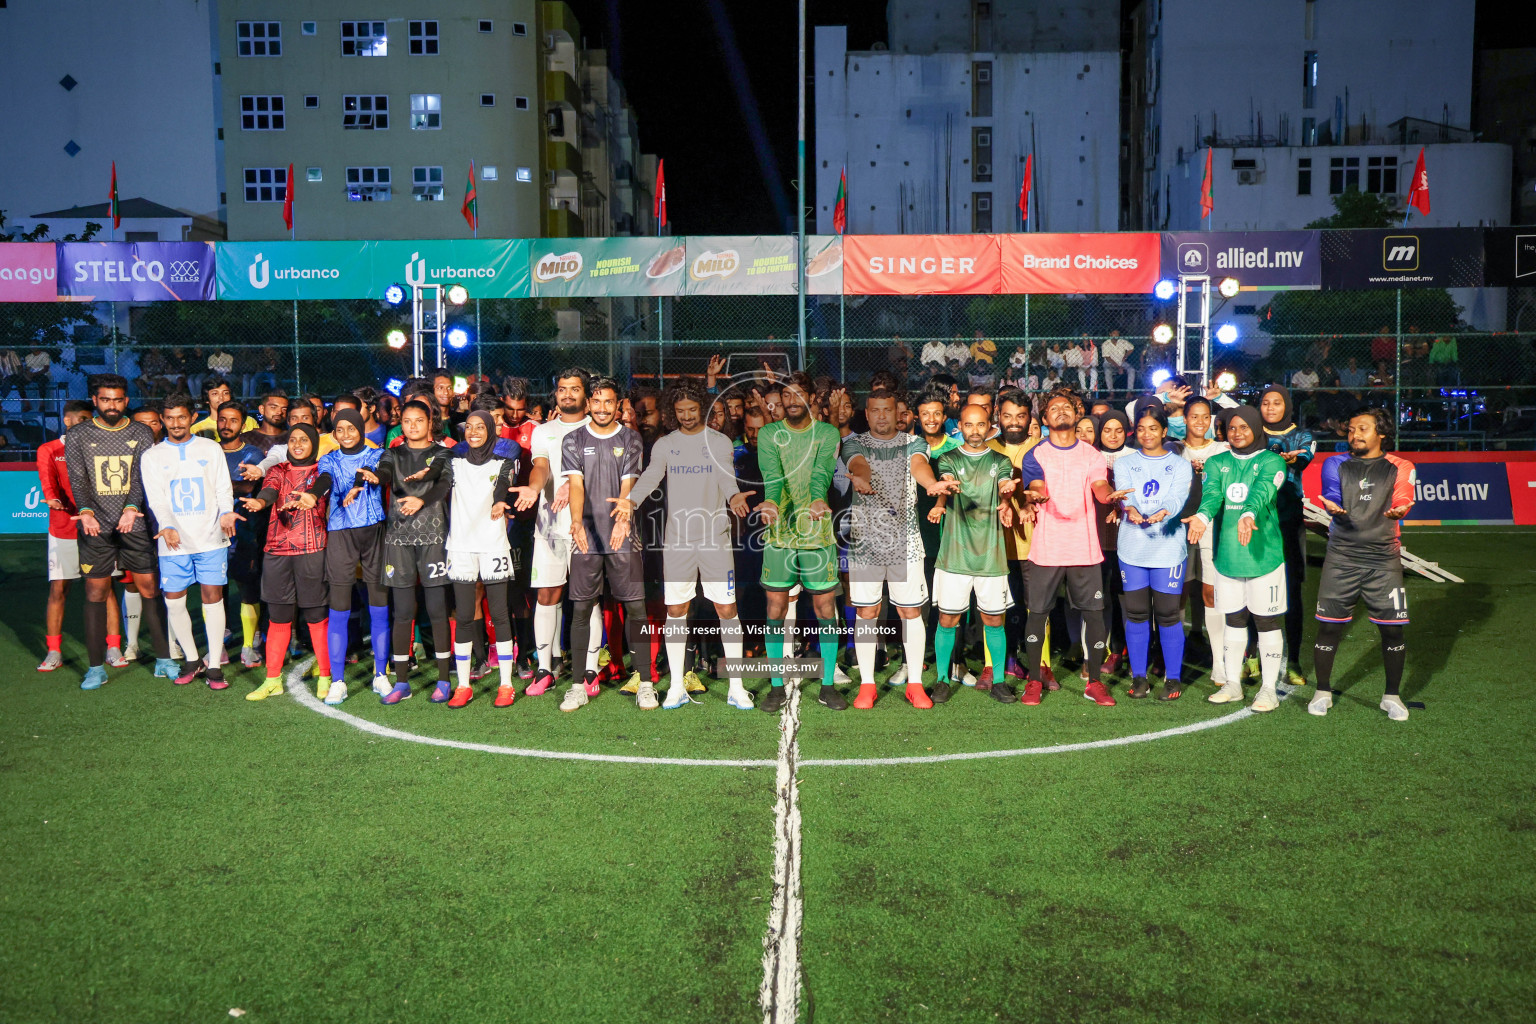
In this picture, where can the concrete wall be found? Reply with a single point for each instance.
(1015, 26)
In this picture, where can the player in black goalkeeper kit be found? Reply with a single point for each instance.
(103, 456)
(1367, 492)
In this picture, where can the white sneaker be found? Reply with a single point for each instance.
(175, 650)
(898, 678)
(677, 696)
(1393, 705)
(1265, 700)
(381, 685)
(969, 679)
(115, 658)
(337, 693)
(839, 677)
(739, 697)
(1321, 703)
(575, 697)
(51, 661)
(1228, 693)
(645, 697)
(131, 652)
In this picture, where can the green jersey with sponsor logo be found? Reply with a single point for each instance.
(972, 540)
(798, 466)
(1237, 485)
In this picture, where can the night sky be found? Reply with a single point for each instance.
(674, 67)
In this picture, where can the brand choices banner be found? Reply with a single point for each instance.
(489, 268)
(27, 272)
(1393, 258)
(1259, 260)
(922, 265)
(1099, 264)
(559, 267)
(21, 500)
(135, 271)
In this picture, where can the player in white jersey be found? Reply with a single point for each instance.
(698, 464)
(187, 486)
(552, 528)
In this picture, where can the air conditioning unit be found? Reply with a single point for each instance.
(1249, 176)
(983, 171)
(983, 203)
(983, 74)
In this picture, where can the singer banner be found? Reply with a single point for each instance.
(922, 265)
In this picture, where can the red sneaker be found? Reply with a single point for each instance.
(1111, 662)
(505, 695)
(461, 696)
(984, 681)
(1032, 691)
(916, 696)
(1050, 678)
(540, 683)
(1096, 692)
(866, 698)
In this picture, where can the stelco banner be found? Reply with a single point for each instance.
(27, 272)
(1062, 264)
(1394, 258)
(489, 268)
(922, 265)
(560, 267)
(136, 271)
(1259, 260)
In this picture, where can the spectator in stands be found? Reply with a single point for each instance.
(1382, 378)
(983, 351)
(11, 369)
(1442, 361)
(900, 355)
(1384, 347)
(1353, 376)
(1088, 373)
(1304, 379)
(264, 377)
(1072, 365)
(1117, 360)
(934, 356)
(1055, 362)
(221, 363)
(1415, 368)
(1018, 364)
(1317, 352)
(37, 368)
(956, 353)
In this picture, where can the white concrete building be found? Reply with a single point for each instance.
(935, 142)
(93, 81)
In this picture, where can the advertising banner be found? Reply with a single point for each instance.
(1096, 264)
(1260, 260)
(824, 264)
(1509, 256)
(741, 265)
(294, 270)
(922, 265)
(490, 268)
(21, 499)
(1460, 488)
(1394, 258)
(28, 272)
(561, 267)
(136, 271)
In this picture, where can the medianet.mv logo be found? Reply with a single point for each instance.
(1400, 252)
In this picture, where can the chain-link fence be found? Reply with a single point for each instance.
(1409, 351)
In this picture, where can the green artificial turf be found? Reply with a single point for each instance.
(172, 853)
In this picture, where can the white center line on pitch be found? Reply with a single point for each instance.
(780, 992)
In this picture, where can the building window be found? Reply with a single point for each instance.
(427, 184)
(426, 111)
(1343, 174)
(423, 38)
(367, 184)
(313, 174)
(521, 103)
(1381, 175)
(525, 174)
(364, 39)
(311, 102)
(261, 113)
(365, 112)
(265, 184)
(981, 88)
(981, 211)
(486, 24)
(1309, 131)
(259, 38)
(981, 154)
(487, 99)
(488, 172)
(307, 28)
(1309, 80)
(519, 28)
(1304, 176)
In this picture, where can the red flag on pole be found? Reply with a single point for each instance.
(1207, 200)
(1418, 192)
(659, 206)
(1029, 181)
(471, 207)
(288, 200)
(117, 218)
(840, 208)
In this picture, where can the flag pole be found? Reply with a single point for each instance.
(800, 196)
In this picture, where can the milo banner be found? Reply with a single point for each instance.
(562, 267)
(135, 271)
(741, 265)
(1403, 258)
(1259, 260)
(489, 268)
(824, 265)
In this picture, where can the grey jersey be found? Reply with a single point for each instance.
(603, 462)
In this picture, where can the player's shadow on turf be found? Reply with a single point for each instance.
(1428, 655)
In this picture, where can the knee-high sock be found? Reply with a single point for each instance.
(1234, 645)
(731, 641)
(773, 643)
(595, 640)
(828, 642)
(677, 648)
(1216, 630)
(1172, 638)
(1271, 655)
(1034, 643)
(336, 641)
(181, 626)
(1138, 640)
(278, 635)
(505, 660)
(635, 622)
(213, 625)
(546, 620)
(789, 626)
(133, 610)
(319, 639)
(1076, 633)
(1394, 653)
(96, 632)
(378, 623)
(250, 617)
(1329, 634)
(463, 651)
(865, 632)
(915, 641)
(851, 621)
(997, 646)
(943, 651)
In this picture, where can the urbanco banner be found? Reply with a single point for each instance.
(490, 268)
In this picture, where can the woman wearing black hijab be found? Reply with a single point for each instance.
(1296, 446)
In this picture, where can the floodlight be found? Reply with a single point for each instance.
(394, 295)
(1228, 287)
(457, 295)
(1162, 334)
(1159, 377)
(1226, 380)
(457, 338)
(1165, 289)
(1226, 333)
(396, 338)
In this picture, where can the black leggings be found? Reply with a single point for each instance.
(280, 614)
(1394, 652)
(581, 634)
(341, 596)
(1293, 541)
(1146, 604)
(464, 604)
(403, 619)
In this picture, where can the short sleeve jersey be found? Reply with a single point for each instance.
(603, 462)
(544, 443)
(884, 524)
(701, 478)
(971, 541)
(1066, 525)
(104, 466)
(1158, 484)
(1016, 540)
(1365, 489)
(1238, 486)
(368, 507)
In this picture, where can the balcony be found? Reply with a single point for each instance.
(562, 223)
(563, 159)
(558, 20)
(561, 90)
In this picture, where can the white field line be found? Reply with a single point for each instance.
(779, 995)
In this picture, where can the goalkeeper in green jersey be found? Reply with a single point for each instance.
(1241, 487)
(798, 457)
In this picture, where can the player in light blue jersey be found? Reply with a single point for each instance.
(1153, 550)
